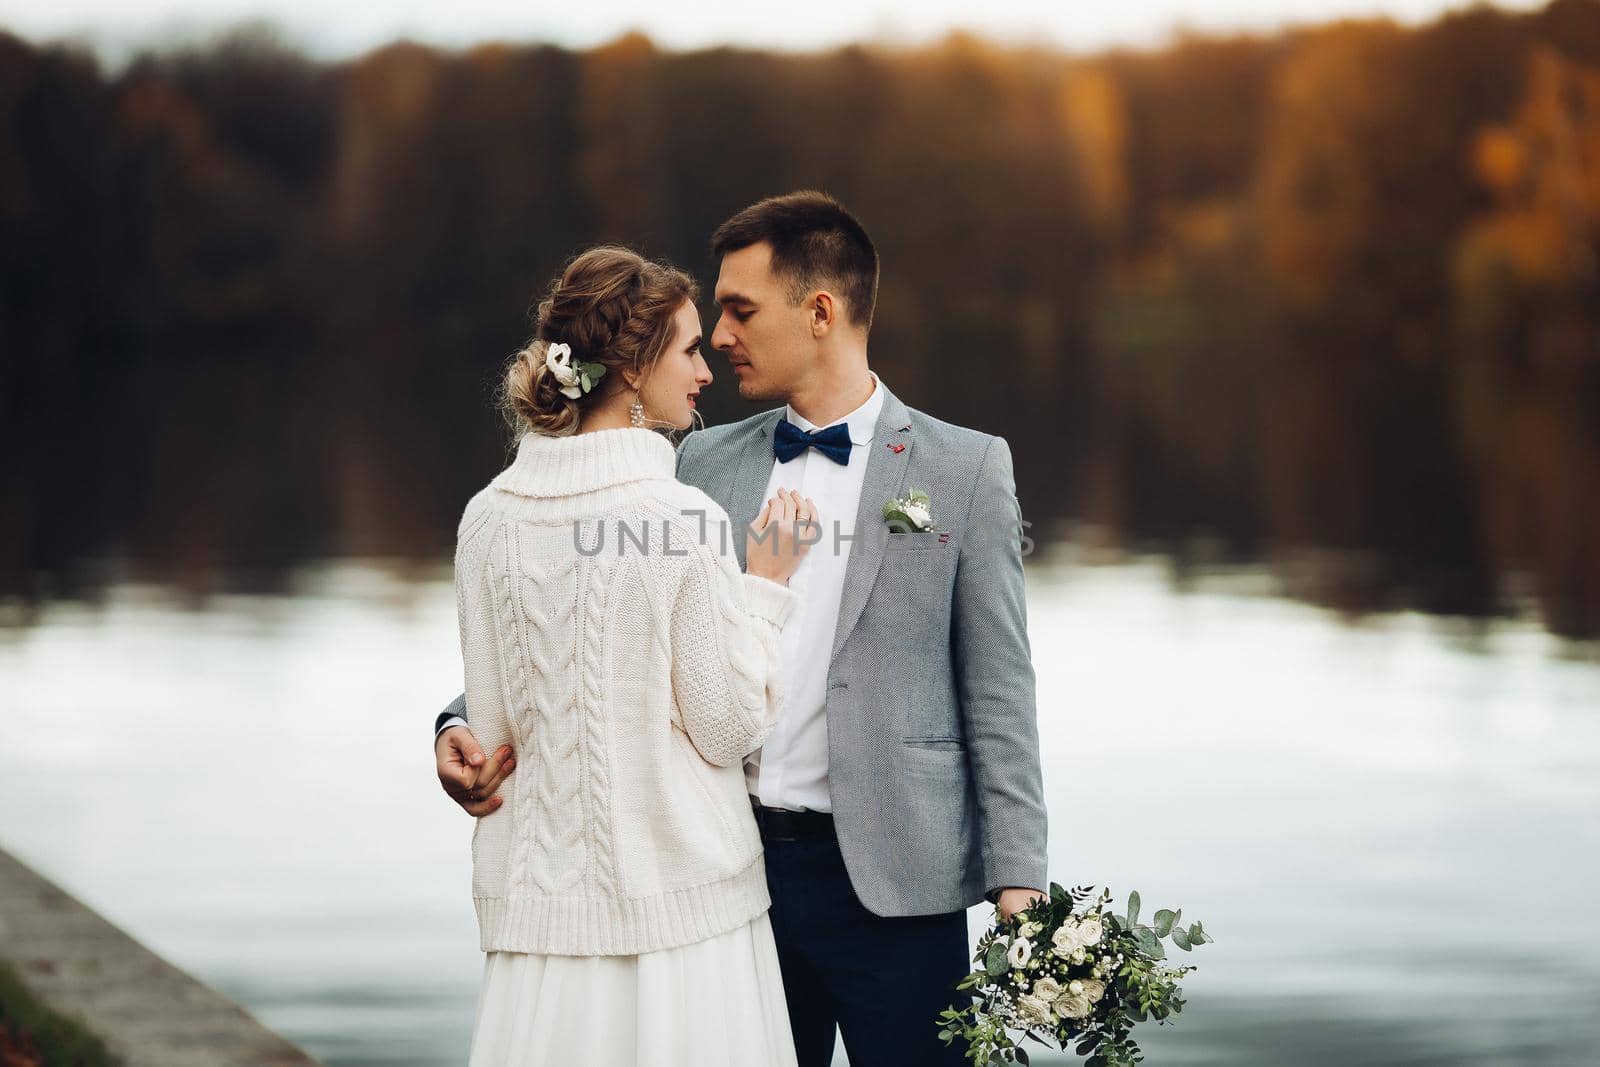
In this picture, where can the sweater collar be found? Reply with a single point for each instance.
(582, 463)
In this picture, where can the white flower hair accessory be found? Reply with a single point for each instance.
(576, 377)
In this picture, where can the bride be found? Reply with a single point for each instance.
(612, 644)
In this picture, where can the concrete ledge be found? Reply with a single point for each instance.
(148, 1012)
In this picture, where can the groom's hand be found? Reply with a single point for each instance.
(468, 778)
(1013, 900)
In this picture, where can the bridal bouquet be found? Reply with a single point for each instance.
(1060, 975)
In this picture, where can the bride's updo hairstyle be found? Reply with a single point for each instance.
(610, 306)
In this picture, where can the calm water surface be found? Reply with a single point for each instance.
(1387, 827)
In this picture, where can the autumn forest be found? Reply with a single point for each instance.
(1326, 301)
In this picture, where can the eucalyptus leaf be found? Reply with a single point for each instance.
(1180, 939)
(1149, 943)
(995, 963)
(1133, 907)
(1164, 920)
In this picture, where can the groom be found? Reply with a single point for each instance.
(902, 782)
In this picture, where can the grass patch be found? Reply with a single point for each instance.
(31, 1035)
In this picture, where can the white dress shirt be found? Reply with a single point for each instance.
(791, 769)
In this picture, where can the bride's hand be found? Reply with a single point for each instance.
(780, 536)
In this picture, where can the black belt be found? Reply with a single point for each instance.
(779, 824)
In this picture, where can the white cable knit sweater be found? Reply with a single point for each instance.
(631, 681)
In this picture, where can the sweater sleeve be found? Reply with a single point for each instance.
(478, 536)
(726, 664)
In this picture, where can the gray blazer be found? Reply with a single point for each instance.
(933, 747)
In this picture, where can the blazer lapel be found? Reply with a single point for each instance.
(749, 487)
(885, 478)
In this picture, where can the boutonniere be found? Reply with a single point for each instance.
(910, 513)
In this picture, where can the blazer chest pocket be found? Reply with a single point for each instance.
(921, 541)
(938, 743)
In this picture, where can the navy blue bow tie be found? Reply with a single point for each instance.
(789, 440)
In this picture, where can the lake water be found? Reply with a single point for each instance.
(1388, 827)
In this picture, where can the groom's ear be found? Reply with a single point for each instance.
(824, 313)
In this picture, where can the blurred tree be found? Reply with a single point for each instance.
(63, 367)
(1528, 286)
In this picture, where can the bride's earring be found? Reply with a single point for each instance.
(636, 414)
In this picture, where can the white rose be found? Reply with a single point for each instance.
(1031, 929)
(1089, 931)
(558, 359)
(1093, 989)
(1078, 955)
(1035, 1010)
(920, 516)
(1048, 988)
(1073, 1006)
(1021, 951)
(1075, 986)
(1065, 939)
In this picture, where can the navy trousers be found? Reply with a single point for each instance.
(882, 981)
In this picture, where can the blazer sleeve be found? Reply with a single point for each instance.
(995, 683)
(456, 709)
(726, 664)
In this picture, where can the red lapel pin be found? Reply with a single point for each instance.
(897, 449)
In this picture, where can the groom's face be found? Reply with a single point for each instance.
(767, 339)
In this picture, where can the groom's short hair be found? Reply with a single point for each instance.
(814, 241)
